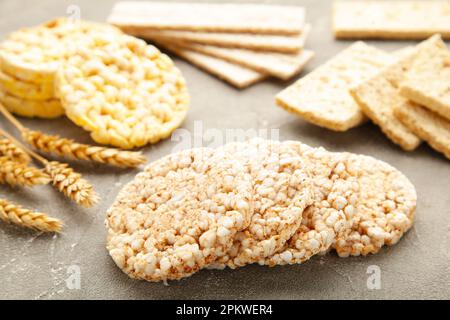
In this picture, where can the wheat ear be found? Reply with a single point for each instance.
(71, 184)
(18, 174)
(64, 178)
(13, 213)
(11, 151)
(63, 147)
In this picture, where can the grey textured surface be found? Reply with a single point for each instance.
(35, 266)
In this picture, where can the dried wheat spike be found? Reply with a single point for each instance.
(13, 213)
(18, 174)
(56, 145)
(71, 184)
(11, 151)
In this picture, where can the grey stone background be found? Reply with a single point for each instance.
(35, 266)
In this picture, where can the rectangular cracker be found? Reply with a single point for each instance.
(278, 65)
(322, 97)
(283, 66)
(273, 43)
(391, 19)
(228, 17)
(428, 81)
(235, 75)
(427, 125)
(377, 98)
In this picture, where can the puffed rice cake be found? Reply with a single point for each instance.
(25, 90)
(47, 109)
(365, 205)
(34, 54)
(326, 217)
(180, 214)
(382, 210)
(123, 91)
(282, 191)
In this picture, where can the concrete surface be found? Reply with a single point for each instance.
(36, 266)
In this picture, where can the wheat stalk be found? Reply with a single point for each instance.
(64, 178)
(14, 173)
(11, 151)
(63, 147)
(13, 213)
(71, 184)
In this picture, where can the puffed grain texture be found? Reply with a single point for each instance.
(123, 91)
(383, 208)
(325, 218)
(180, 214)
(282, 190)
(34, 54)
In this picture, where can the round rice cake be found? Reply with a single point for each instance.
(180, 214)
(326, 217)
(281, 187)
(383, 208)
(48, 109)
(123, 91)
(35, 54)
(26, 90)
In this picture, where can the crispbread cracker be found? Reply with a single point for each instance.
(272, 43)
(283, 66)
(381, 211)
(46, 109)
(26, 90)
(391, 19)
(281, 192)
(34, 54)
(322, 97)
(377, 97)
(234, 74)
(180, 214)
(405, 58)
(428, 81)
(123, 91)
(253, 18)
(426, 124)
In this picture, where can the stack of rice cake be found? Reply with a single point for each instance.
(240, 43)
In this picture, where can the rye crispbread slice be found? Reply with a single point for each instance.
(282, 66)
(234, 74)
(253, 18)
(426, 124)
(391, 19)
(323, 98)
(249, 41)
(428, 81)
